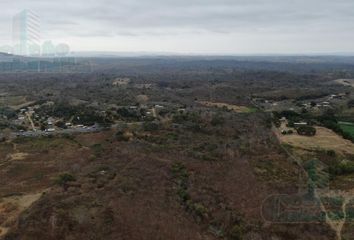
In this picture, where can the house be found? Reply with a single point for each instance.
(121, 81)
(300, 124)
(326, 104)
(339, 96)
(50, 121)
(181, 110)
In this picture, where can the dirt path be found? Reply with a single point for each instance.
(31, 121)
(16, 155)
(8, 156)
(345, 214)
(154, 114)
(26, 104)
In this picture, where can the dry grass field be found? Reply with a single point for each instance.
(325, 139)
(29, 168)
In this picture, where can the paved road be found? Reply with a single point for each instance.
(73, 130)
(39, 133)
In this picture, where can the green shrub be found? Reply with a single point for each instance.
(97, 149)
(180, 173)
(217, 120)
(343, 168)
(236, 232)
(306, 131)
(331, 153)
(150, 126)
(65, 178)
(121, 136)
(199, 209)
(351, 103)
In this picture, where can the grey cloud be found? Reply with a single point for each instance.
(108, 18)
(210, 15)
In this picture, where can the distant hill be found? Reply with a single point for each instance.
(2, 54)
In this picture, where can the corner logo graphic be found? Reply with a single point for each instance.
(26, 33)
(314, 203)
(26, 38)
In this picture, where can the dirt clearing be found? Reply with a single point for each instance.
(12, 207)
(18, 156)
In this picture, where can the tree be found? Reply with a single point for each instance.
(64, 179)
(60, 124)
(351, 103)
(306, 131)
(151, 126)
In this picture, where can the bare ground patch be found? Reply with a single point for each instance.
(18, 156)
(12, 207)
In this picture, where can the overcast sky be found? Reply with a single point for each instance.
(192, 26)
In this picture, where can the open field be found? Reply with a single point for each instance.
(324, 139)
(347, 127)
(232, 107)
(346, 82)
